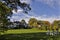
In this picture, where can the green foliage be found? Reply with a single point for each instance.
(43, 25)
(56, 24)
(14, 3)
(4, 12)
(23, 21)
(33, 22)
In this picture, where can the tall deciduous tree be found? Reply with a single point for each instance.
(33, 22)
(47, 25)
(6, 7)
(56, 24)
(23, 21)
(4, 12)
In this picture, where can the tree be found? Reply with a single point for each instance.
(4, 12)
(24, 24)
(43, 24)
(40, 23)
(55, 24)
(55, 27)
(47, 25)
(23, 21)
(6, 7)
(32, 22)
(14, 3)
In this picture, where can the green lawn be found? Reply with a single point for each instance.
(27, 34)
(19, 31)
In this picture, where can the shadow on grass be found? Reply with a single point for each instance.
(29, 36)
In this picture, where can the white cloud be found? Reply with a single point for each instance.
(42, 17)
(19, 10)
(33, 15)
(50, 19)
(26, 1)
(51, 3)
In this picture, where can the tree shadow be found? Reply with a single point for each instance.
(29, 36)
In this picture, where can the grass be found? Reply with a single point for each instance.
(23, 36)
(19, 31)
(27, 34)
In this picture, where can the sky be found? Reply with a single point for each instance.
(47, 10)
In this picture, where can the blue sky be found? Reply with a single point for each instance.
(48, 10)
